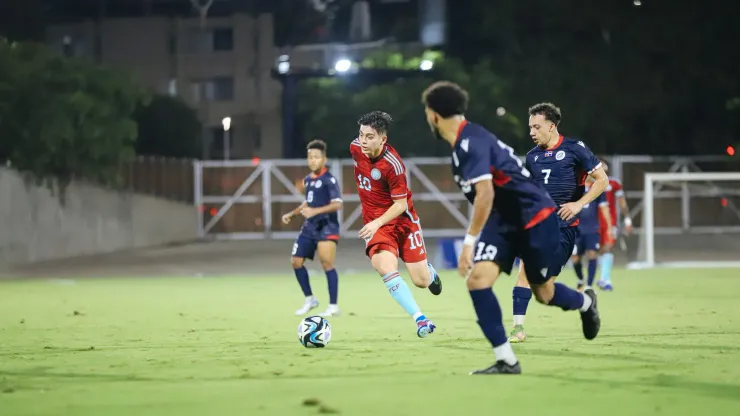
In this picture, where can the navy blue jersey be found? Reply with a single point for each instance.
(562, 170)
(321, 190)
(589, 223)
(478, 155)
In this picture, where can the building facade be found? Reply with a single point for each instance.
(221, 68)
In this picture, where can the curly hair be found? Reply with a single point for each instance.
(378, 120)
(549, 111)
(446, 99)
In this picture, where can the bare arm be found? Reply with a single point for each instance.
(624, 207)
(399, 207)
(601, 181)
(482, 206)
(297, 210)
(333, 206)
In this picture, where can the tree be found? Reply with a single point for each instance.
(648, 79)
(330, 107)
(64, 118)
(168, 127)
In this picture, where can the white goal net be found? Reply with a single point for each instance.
(695, 221)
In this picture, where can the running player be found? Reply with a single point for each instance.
(588, 239)
(519, 222)
(391, 227)
(320, 231)
(610, 230)
(561, 165)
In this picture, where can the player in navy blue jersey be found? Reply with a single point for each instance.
(589, 238)
(320, 231)
(561, 165)
(513, 216)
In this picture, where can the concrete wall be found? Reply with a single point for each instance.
(35, 226)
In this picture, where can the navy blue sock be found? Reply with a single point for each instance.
(302, 275)
(593, 264)
(489, 314)
(521, 297)
(332, 279)
(566, 298)
(578, 266)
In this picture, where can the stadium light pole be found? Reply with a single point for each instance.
(226, 123)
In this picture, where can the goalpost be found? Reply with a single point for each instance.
(699, 227)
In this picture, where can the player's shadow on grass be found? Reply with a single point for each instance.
(698, 388)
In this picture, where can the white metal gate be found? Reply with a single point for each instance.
(276, 188)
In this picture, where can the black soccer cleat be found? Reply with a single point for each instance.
(436, 286)
(590, 320)
(500, 367)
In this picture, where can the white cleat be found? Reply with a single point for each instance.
(310, 303)
(331, 310)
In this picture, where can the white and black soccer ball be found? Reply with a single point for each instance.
(314, 332)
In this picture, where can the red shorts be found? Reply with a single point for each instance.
(605, 237)
(404, 239)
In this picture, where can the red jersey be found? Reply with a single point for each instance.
(613, 192)
(380, 181)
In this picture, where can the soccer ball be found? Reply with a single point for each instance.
(314, 332)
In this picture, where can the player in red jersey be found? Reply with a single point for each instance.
(391, 227)
(609, 229)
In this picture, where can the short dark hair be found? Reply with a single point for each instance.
(318, 145)
(378, 120)
(446, 99)
(549, 111)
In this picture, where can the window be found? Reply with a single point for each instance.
(223, 89)
(223, 39)
(214, 89)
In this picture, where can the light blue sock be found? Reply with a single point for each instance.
(402, 294)
(607, 260)
(432, 273)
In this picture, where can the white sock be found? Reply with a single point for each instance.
(518, 320)
(586, 302)
(310, 299)
(417, 315)
(505, 353)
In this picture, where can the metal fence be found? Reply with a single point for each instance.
(244, 199)
(163, 177)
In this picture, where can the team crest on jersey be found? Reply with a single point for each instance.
(318, 184)
(548, 153)
(560, 155)
(375, 174)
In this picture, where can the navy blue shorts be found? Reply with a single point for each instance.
(568, 238)
(537, 247)
(587, 242)
(308, 240)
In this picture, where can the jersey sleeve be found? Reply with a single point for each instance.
(617, 188)
(397, 185)
(476, 162)
(586, 158)
(332, 188)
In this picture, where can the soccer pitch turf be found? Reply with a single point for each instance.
(669, 344)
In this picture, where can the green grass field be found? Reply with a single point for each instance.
(670, 344)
